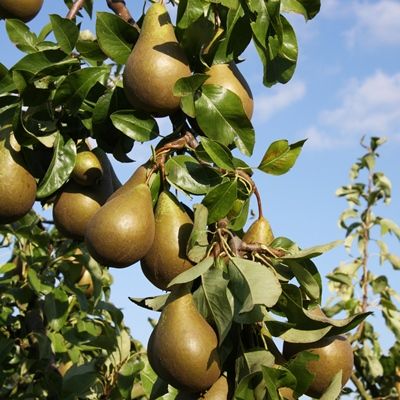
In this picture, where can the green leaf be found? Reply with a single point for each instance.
(115, 36)
(286, 332)
(135, 124)
(60, 168)
(253, 283)
(6, 81)
(90, 50)
(38, 283)
(76, 86)
(220, 199)
(198, 240)
(189, 85)
(308, 8)
(280, 157)
(221, 117)
(219, 154)
(188, 12)
(192, 273)
(306, 279)
(389, 226)
(188, 174)
(215, 292)
(56, 309)
(79, 379)
(334, 389)
(155, 303)
(65, 31)
(20, 34)
(314, 251)
(250, 387)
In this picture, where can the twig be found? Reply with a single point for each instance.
(78, 4)
(119, 8)
(360, 387)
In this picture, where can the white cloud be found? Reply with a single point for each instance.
(377, 22)
(321, 140)
(368, 107)
(281, 97)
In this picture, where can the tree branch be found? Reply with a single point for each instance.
(119, 8)
(78, 4)
(360, 387)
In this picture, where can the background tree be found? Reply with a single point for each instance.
(361, 283)
(67, 93)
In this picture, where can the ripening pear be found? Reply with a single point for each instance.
(166, 258)
(122, 230)
(139, 176)
(335, 354)
(157, 61)
(75, 204)
(86, 283)
(17, 185)
(25, 10)
(259, 232)
(87, 170)
(229, 77)
(183, 347)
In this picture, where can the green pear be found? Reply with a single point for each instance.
(87, 170)
(335, 354)
(259, 232)
(229, 77)
(139, 176)
(25, 10)
(183, 348)
(17, 185)
(157, 61)
(166, 258)
(75, 204)
(122, 230)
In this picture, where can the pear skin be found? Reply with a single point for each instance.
(335, 354)
(229, 77)
(87, 170)
(138, 177)
(183, 348)
(122, 230)
(259, 232)
(167, 256)
(17, 185)
(75, 204)
(156, 62)
(25, 10)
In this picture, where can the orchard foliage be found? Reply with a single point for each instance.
(67, 89)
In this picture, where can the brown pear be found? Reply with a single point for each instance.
(17, 185)
(335, 354)
(229, 77)
(75, 205)
(157, 61)
(167, 256)
(87, 170)
(218, 391)
(25, 10)
(259, 232)
(122, 231)
(183, 348)
(139, 176)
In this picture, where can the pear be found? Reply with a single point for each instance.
(156, 62)
(335, 354)
(17, 185)
(167, 256)
(86, 283)
(122, 230)
(87, 170)
(218, 391)
(139, 176)
(259, 232)
(229, 77)
(25, 10)
(75, 205)
(182, 348)
(287, 393)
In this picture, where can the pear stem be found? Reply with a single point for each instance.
(254, 188)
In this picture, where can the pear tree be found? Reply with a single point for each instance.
(232, 290)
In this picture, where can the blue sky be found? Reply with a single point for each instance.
(347, 84)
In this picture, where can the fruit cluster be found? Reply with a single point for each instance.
(143, 221)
